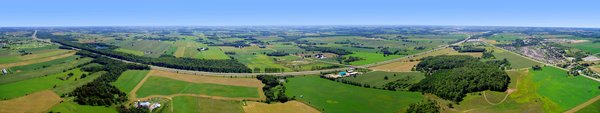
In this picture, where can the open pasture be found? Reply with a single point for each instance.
(190, 104)
(333, 97)
(19, 73)
(34, 103)
(72, 107)
(129, 79)
(377, 78)
(53, 81)
(151, 48)
(166, 86)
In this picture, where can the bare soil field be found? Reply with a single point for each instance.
(33, 103)
(396, 66)
(33, 61)
(288, 107)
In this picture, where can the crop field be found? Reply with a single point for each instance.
(155, 48)
(40, 69)
(370, 58)
(190, 104)
(166, 86)
(186, 49)
(376, 78)
(287, 107)
(134, 52)
(259, 61)
(24, 87)
(129, 79)
(37, 60)
(593, 48)
(34, 103)
(14, 57)
(516, 61)
(247, 82)
(333, 97)
(73, 107)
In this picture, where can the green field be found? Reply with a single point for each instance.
(259, 61)
(505, 37)
(189, 104)
(72, 107)
(370, 58)
(129, 79)
(15, 57)
(166, 86)
(593, 48)
(565, 92)
(212, 53)
(592, 108)
(376, 78)
(156, 48)
(21, 88)
(333, 97)
(516, 61)
(134, 52)
(19, 73)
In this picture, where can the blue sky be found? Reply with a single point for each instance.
(544, 13)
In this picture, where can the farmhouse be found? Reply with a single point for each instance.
(202, 49)
(343, 74)
(146, 104)
(147, 52)
(320, 56)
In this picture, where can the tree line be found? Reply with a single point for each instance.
(274, 84)
(326, 50)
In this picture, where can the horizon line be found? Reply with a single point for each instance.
(291, 25)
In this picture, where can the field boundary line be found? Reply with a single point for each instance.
(583, 105)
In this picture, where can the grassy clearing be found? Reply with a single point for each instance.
(134, 52)
(129, 79)
(259, 61)
(399, 66)
(371, 57)
(154, 47)
(72, 107)
(166, 86)
(21, 88)
(333, 97)
(566, 92)
(35, 55)
(516, 61)
(247, 82)
(376, 78)
(34, 103)
(505, 37)
(40, 69)
(287, 107)
(189, 104)
(590, 47)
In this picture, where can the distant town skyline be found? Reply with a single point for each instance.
(526, 13)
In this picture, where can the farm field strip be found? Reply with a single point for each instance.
(287, 107)
(37, 60)
(34, 103)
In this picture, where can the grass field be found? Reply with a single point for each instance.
(166, 86)
(21, 61)
(129, 79)
(590, 47)
(259, 61)
(40, 69)
(592, 108)
(287, 107)
(189, 104)
(333, 97)
(247, 82)
(565, 92)
(155, 47)
(134, 52)
(376, 78)
(212, 53)
(72, 107)
(505, 37)
(406, 64)
(35, 55)
(516, 61)
(21, 88)
(34, 103)
(371, 57)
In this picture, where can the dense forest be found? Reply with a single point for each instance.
(230, 66)
(452, 77)
(100, 92)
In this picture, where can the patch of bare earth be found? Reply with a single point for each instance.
(288, 107)
(248, 82)
(396, 66)
(33, 103)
